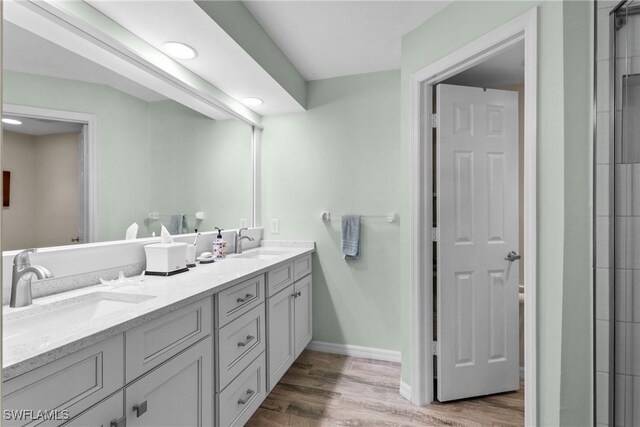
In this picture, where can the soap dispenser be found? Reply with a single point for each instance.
(219, 246)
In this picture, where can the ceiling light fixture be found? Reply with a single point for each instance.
(179, 50)
(11, 121)
(252, 102)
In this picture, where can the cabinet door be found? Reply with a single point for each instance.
(66, 387)
(109, 412)
(280, 317)
(177, 393)
(303, 323)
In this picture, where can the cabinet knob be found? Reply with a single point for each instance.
(297, 294)
(122, 422)
(247, 341)
(246, 397)
(246, 297)
(140, 408)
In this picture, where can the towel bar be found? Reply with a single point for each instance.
(391, 217)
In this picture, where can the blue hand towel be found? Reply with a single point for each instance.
(177, 224)
(350, 236)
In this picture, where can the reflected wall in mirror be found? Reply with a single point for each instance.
(153, 154)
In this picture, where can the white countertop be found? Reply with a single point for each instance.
(34, 348)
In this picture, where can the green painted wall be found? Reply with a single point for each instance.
(564, 195)
(236, 20)
(152, 156)
(577, 314)
(342, 155)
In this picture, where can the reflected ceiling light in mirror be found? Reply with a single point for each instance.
(179, 50)
(252, 102)
(11, 121)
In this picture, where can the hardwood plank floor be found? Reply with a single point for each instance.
(322, 389)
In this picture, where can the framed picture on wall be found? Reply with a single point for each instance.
(6, 189)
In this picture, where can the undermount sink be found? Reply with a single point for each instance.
(67, 312)
(260, 254)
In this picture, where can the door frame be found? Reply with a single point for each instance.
(91, 158)
(523, 27)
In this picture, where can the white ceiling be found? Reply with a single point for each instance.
(31, 126)
(28, 53)
(507, 68)
(221, 61)
(335, 38)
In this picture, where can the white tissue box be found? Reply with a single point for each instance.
(166, 259)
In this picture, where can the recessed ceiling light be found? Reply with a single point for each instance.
(252, 102)
(11, 121)
(179, 50)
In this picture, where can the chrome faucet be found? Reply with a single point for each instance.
(239, 238)
(23, 272)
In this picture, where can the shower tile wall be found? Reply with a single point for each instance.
(617, 394)
(603, 225)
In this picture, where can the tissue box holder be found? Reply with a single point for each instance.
(166, 259)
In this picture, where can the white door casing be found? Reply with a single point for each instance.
(477, 202)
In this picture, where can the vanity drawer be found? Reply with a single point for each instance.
(244, 395)
(279, 278)
(237, 300)
(103, 414)
(301, 267)
(69, 385)
(152, 343)
(239, 343)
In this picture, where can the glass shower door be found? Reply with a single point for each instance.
(626, 105)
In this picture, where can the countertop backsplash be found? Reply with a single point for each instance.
(79, 266)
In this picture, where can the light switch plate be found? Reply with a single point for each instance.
(244, 223)
(275, 226)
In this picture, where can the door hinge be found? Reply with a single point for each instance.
(435, 234)
(434, 348)
(434, 120)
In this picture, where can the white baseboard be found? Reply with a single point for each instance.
(405, 390)
(356, 351)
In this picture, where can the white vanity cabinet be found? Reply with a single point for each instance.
(65, 387)
(289, 321)
(210, 362)
(168, 381)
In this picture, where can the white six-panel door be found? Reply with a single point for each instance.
(477, 200)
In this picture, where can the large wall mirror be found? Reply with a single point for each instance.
(88, 152)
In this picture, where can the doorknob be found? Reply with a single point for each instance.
(512, 256)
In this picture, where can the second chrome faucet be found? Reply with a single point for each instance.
(238, 238)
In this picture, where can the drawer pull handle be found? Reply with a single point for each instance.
(246, 297)
(140, 409)
(297, 294)
(122, 422)
(246, 397)
(249, 339)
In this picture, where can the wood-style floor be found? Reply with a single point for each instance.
(323, 389)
